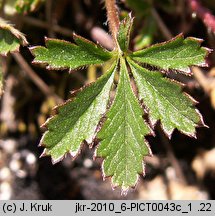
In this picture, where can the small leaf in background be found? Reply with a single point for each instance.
(59, 54)
(10, 38)
(25, 6)
(78, 119)
(146, 36)
(177, 54)
(122, 136)
(165, 102)
(144, 22)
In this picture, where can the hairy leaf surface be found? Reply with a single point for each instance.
(59, 54)
(10, 38)
(78, 119)
(165, 101)
(122, 136)
(177, 54)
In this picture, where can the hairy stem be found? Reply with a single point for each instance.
(113, 18)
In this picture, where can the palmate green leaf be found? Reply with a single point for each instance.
(122, 136)
(177, 54)
(77, 119)
(10, 38)
(165, 102)
(59, 54)
(121, 133)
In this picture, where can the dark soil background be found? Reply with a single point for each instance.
(181, 168)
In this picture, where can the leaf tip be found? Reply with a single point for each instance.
(41, 144)
(74, 154)
(150, 154)
(209, 50)
(167, 132)
(194, 102)
(44, 154)
(124, 191)
(201, 122)
(57, 160)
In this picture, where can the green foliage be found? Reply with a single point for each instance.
(145, 24)
(78, 119)
(119, 123)
(122, 136)
(177, 54)
(10, 38)
(165, 101)
(145, 37)
(10, 41)
(12, 7)
(25, 6)
(60, 54)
